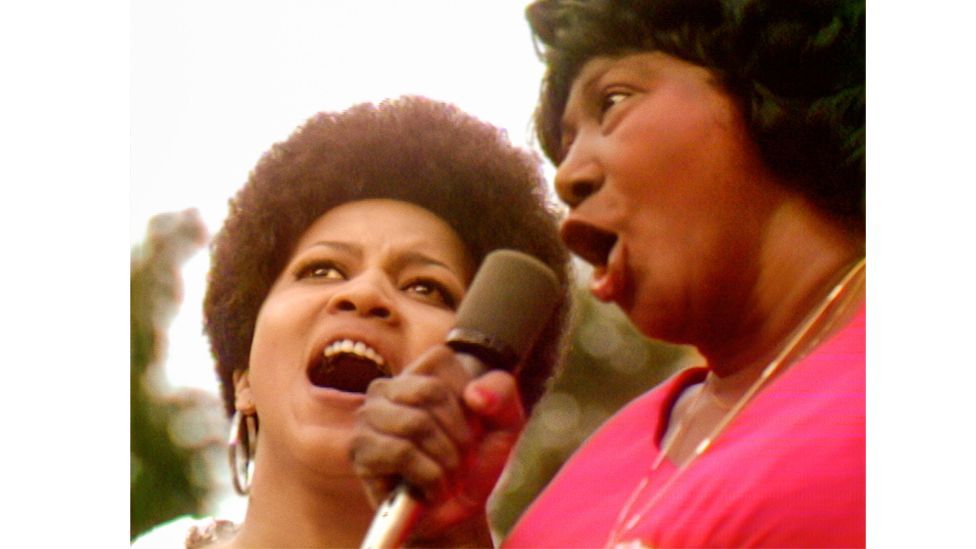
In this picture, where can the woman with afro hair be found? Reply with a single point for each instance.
(342, 260)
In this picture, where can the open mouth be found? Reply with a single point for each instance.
(591, 244)
(608, 255)
(347, 365)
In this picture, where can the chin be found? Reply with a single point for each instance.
(325, 450)
(325, 430)
(651, 322)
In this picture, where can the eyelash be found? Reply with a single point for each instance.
(309, 269)
(435, 287)
(606, 102)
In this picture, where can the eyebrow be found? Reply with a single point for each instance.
(409, 257)
(343, 247)
(413, 258)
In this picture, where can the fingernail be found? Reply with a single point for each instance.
(485, 399)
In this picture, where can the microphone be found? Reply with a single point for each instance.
(509, 302)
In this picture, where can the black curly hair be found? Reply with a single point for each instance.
(412, 149)
(796, 67)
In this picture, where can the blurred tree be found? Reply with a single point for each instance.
(167, 477)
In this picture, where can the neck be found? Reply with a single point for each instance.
(287, 511)
(804, 256)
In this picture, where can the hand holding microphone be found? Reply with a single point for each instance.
(416, 427)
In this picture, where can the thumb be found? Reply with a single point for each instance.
(495, 398)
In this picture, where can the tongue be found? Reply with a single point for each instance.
(345, 372)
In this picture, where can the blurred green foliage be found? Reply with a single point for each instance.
(164, 478)
(607, 364)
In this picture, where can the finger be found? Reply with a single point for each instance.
(382, 461)
(416, 425)
(495, 398)
(377, 488)
(432, 395)
(467, 494)
(450, 513)
(442, 362)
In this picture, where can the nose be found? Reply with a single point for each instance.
(579, 174)
(366, 295)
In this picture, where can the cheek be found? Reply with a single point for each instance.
(277, 334)
(671, 140)
(276, 361)
(429, 329)
(685, 177)
(261, 360)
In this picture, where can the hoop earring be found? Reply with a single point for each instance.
(240, 445)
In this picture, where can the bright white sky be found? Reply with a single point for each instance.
(214, 84)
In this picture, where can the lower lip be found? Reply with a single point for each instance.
(609, 281)
(605, 284)
(333, 397)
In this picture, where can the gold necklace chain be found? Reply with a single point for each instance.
(622, 524)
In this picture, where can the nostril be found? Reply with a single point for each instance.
(378, 311)
(363, 301)
(582, 189)
(575, 193)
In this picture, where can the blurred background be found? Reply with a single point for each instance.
(213, 85)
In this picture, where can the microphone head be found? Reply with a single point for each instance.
(509, 302)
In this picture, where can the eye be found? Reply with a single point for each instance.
(326, 270)
(431, 291)
(609, 99)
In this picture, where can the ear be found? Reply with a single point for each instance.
(243, 399)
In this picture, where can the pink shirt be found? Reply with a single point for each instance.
(787, 472)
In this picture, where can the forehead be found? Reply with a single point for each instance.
(384, 218)
(379, 207)
(386, 224)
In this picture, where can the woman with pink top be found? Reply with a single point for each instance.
(712, 157)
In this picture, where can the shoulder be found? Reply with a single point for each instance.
(649, 412)
(187, 532)
(636, 428)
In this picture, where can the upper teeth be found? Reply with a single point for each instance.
(353, 347)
